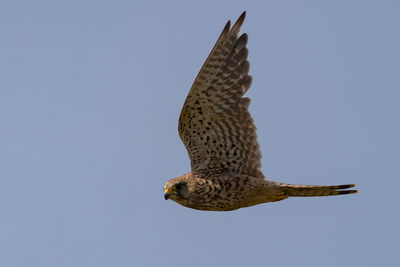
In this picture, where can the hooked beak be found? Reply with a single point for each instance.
(168, 192)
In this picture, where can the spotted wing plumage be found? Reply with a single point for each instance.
(215, 124)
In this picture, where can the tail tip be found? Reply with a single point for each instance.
(345, 192)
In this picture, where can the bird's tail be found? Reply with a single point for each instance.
(317, 190)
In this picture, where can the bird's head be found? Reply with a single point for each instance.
(176, 189)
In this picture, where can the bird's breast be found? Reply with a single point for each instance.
(223, 193)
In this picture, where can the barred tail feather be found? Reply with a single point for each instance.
(317, 190)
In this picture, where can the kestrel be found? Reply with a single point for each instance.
(220, 137)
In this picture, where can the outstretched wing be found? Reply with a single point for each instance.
(215, 124)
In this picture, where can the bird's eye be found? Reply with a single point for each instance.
(178, 186)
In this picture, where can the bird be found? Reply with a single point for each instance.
(220, 137)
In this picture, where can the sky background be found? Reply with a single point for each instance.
(90, 94)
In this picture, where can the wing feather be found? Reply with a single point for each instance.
(215, 124)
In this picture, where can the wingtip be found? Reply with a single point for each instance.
(228, 24)
(238, 24)
(243, 15)
(241, 18)
(227, 27)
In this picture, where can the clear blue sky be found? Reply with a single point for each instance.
(90, 94)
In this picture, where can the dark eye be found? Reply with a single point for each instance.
(178, 187)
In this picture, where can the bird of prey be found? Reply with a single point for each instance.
(220, 137)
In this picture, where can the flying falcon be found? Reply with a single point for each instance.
(220, 137)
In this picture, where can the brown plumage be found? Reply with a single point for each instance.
(220, 137)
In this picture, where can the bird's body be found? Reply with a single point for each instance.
(226, 192)
(220, 137)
